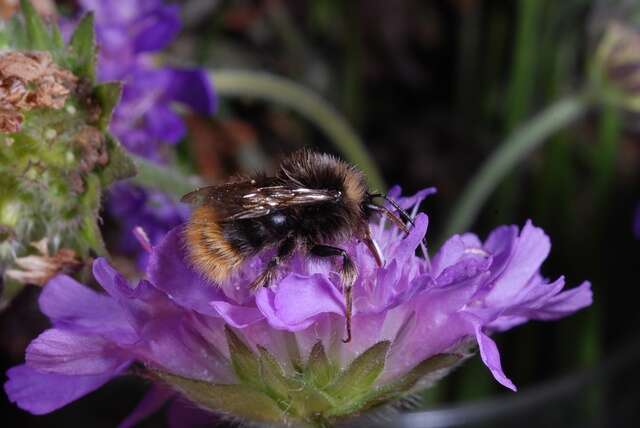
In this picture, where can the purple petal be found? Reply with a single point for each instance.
(192, 88)
(142, 303)
(169, 271)
(41, 393)
(67, 302)
(157, 29)
(408, 245)
(491, 358)
(112, 281)
(298, 300)
(450, 252)
(70, 353)
(237, 316)
(173, 344)
(164, 124)
(153, 401)
(531, 249)
(565, 303)
(471, 265)
(501, 243)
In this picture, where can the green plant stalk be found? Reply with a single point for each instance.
(152, 175)
(279, 90)
(510, 153)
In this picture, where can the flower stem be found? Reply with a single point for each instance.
(514, 149)
(169, 180)
(286, 92)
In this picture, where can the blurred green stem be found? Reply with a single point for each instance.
(510, 153)
(169, 180)
(279, 90)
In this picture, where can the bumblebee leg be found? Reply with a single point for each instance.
(348, 274)
(285, 250)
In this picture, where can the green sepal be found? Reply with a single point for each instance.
(273, 376)
(293, 350)
(400, 387)
(244, 362)
(319, 369)
(83, 50)
(37, 36)
(289, 392)
(120, 165)
(108, 95)
(56, 38)
(357, 379)
(237, 400)
(89, 229)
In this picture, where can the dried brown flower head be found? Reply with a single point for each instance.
(30, 80)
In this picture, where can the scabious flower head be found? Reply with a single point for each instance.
(277, 355)
(130, 34)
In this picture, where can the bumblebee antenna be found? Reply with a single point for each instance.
(405, 215)
(396, 219)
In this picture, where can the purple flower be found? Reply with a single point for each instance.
(153, 211)
(277, 355)
(129, 33)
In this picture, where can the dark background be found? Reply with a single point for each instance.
(432, 87)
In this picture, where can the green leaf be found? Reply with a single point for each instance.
(319, 370)
(38, 37)
(361, 374)
(120, 165)
(108, 95)
(83, 49)
(238, 400)
(244, 361)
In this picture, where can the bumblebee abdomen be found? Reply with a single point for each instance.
(209, 251)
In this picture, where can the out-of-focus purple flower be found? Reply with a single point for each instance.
(153, 211)
(277, 355)
(129, 33)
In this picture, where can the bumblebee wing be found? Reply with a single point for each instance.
(248, 199)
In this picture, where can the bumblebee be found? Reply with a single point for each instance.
(312, 204)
